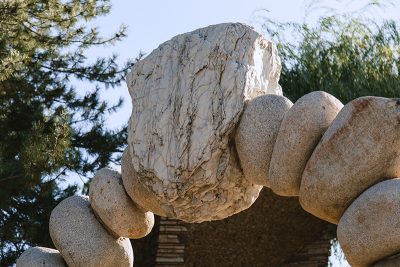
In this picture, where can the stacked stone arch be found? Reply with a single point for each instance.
(209, 128)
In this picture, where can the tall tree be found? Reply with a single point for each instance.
(49, 128)
(346, 54)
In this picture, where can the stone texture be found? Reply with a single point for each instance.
(300, 131)
(268, 234)
(359, 149)
(393, 261)
(370, 228)
(82, 240)
(188, 96)
(41, 257)
(115, 208)
(256, 135)
(136, 190)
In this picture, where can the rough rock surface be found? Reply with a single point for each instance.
(370, 228)
(300, 131)
(115, 208)
(188, 96)
(41, 257)
(142, 196)
(82, 240)
(359, 149)
(256, 135)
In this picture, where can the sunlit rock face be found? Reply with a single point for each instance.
(188, 96)
(41, 257)
(256, 135)
(368, 231)
(359, 149)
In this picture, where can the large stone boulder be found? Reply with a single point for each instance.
(116, 209)
(188, 96)
(82, 240)
(300, 131)
(359, 149)
(256, 135)
(41, 257)
(369, 230)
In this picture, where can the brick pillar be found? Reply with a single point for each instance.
(171, 243)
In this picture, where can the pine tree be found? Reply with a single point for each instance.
(49, 128)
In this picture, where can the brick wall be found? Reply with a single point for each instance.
(275, 231)
(314, 254)
(172, 236)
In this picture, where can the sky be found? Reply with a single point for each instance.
(152, 22)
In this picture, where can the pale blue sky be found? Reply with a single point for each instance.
(152, 22)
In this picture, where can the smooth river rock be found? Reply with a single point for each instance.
(256, 135)
(300, 131)
(369, 230)
(392, 261)
(115, 208)
(188, 96)
(359, 149)
(41, 257)
(82, 240)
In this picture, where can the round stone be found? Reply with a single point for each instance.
(41, 257)
(82, 240)
(392, 261)
(359, 149)
(257, 133)
(115, 208)
(300, 131)
(188, 96)
(369, 230)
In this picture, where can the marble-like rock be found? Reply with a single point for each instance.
(300, 131)
(142, 196)
(256, 135)
(41, 257)
(359, 149)
(115, 208)
(188, 96)
(369, 230)
(82, 240)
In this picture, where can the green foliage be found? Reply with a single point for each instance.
(348, 56)
(48, 128)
